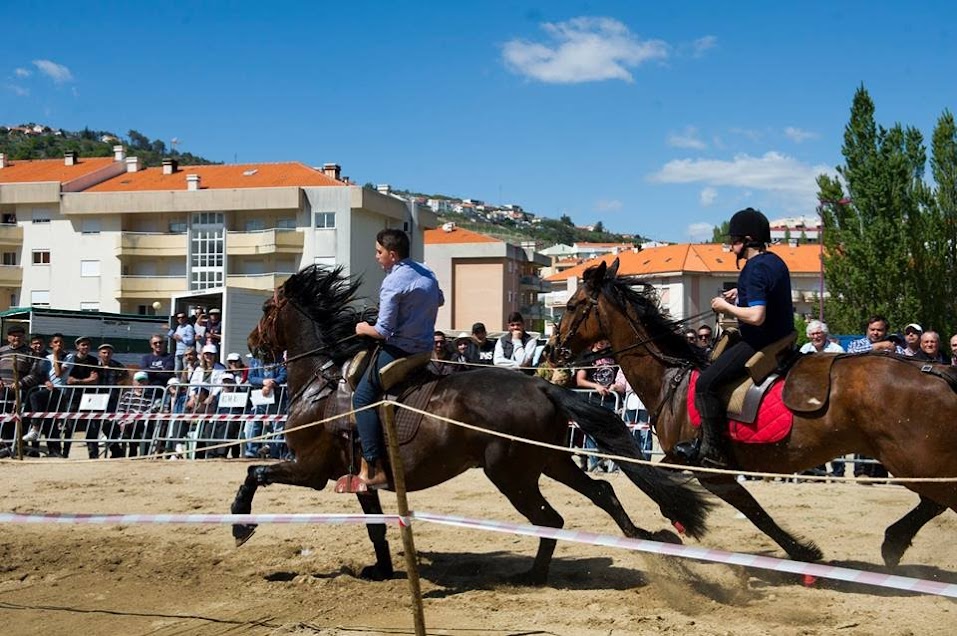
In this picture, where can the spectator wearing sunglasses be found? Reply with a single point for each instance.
(158, 363)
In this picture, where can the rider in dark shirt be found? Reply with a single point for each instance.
(762, 305)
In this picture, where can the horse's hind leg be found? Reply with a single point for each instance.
(898, 536)
(382, 569)
(514, 480)
(727, 488)
(564, 470)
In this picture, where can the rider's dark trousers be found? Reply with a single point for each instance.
(729, 366)
(369, 391)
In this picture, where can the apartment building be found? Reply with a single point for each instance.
(484, 279)
(687, 276)
(108, 235)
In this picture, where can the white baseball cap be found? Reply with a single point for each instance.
(210, 348)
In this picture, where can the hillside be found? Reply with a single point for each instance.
(33, 141)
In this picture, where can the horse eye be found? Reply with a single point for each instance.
(570, 306)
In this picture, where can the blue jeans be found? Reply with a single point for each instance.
(642, 435)
(369, 391)
(253, 428)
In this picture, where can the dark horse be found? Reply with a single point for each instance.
(311, 318)
(878, 405)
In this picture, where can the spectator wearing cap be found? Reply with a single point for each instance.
(481, 349)
(142, 397)
(158, 363)
(199, 321)
(112, 374)
(912, 336)
(214, 327)
(174, 403)
(204, 387)
(227, 430)
(515, 349)
(269, 379)
(15, 366)
(460, 352)
(84, 374)
(184, 335)
(236, 366)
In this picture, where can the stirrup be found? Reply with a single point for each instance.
(349, 485)
(689, 450)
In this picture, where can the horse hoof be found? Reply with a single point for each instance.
(375, 573)
(242, 534)
(666, 536)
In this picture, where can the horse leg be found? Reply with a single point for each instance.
(382, 569)
(564, 470)
(520, 486)
(898, 536)
(728, 489)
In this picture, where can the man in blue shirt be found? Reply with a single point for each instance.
(762, 304)
(409, 301)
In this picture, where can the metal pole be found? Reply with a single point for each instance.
(17, 422)
(398, 480)
(820, 240)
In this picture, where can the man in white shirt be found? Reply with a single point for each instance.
(515, 349)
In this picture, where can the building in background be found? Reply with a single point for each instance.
(484, 279)
(687, 276)
(109, 235)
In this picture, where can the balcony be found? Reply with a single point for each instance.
(150, 287)
(555, 298)
(11, 275)
(532, 312)
(260, 282)
(11, 235)
(151, 244)
(274, 241)
(533, 283)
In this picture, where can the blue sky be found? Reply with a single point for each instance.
(655, 118)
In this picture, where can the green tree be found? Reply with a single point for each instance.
(881, 234)
(567, 220)
(138, 141)
(599, 227)
(720, 233)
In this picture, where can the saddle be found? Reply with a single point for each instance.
(764, 367)
(391, 374)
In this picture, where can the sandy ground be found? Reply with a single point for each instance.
(288, 579)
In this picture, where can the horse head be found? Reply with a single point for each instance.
(267, 338)
(581, 324)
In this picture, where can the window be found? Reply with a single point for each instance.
(41, 257)
(9, 258)
(89, 269)
(90, 226)
(40, 216)
(40, 297)
(325, 220)
(89, 306)
(286, 223)
(177, 227)
(255, 225)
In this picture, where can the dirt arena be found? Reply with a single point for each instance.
(295, 579)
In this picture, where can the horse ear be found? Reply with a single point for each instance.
(595, 274)
(613, 270)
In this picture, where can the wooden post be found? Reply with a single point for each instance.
(408, 545)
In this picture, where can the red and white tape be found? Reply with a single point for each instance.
(641, 545)
(150, 416)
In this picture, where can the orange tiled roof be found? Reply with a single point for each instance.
(39, 170)
(457, 235)
(252, 175)
(586, 244)
(686, 257)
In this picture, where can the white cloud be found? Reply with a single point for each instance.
(707, 196)
(22, 72)
(608, 205)
(703, 44)
(688, 138)
(797, 135)
(584, 49)
(699, 232)
(773, 171)
(19, 91)
(750, 133)
(57, 72)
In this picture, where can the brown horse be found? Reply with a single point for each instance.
(310, 318)
(879, 405)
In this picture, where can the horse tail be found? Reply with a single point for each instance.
(678, 499)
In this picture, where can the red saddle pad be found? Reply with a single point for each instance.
(772, 424)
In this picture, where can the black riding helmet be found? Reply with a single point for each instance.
(750, 222)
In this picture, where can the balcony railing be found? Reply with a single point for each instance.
(11, 275)
(533, 283)
(11, 234)
(151, 244)
(150, 286)
(263, 282)
(273, 241)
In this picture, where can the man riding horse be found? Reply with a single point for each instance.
(409, 301)
(761, 302)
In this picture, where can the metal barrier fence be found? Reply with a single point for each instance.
(126, 421)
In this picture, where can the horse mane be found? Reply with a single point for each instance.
(662, 329)
(327, 295)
